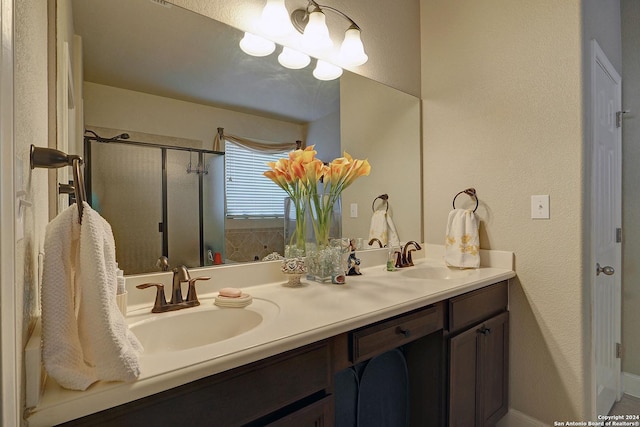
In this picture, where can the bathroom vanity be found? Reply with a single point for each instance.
(451, 328)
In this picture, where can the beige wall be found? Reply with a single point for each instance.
(117, 108)
(30, 127)
(630, 179)
(502, 101)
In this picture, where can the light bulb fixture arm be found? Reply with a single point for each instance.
(300, 17)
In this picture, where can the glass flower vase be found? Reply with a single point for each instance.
(295, 227)
(324, 252)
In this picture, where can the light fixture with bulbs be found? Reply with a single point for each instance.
(315, 34)
(256, 46)
(314, 39)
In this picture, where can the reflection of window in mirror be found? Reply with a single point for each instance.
(249, 193)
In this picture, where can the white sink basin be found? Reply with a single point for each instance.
(199, 326)
(432, 272)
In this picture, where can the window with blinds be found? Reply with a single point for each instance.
(249, 193)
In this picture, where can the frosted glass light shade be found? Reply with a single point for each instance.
(275, 19)
(256, 46)
(326, 71)
(352, 50)
(316, 34)
(293, 59)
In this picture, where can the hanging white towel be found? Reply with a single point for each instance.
(383, 228)
(462, 243)
(85, 336)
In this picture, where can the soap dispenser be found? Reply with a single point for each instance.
(391, 258)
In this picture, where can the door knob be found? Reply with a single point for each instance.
(608, 270)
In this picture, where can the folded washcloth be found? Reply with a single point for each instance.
(383, 228)
(85, 336)
(462, 243)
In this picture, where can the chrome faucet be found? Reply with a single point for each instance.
(180, 275)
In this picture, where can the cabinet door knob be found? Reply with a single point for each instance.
(484, 330)
(402, 331)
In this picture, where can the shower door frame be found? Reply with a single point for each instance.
(163, 227)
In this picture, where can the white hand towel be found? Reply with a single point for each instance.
(462, 243)
(383, 228)
(61, 350)
(85, 336)
(392, 234)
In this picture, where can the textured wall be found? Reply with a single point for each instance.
(390, 33)
(30, 127)
(502, 111)
(630, 179)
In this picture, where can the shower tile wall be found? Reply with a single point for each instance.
(248, 244)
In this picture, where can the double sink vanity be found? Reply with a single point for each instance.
(276, 361)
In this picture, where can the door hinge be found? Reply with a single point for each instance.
(618, 235)
(620, 116)
(619, 351)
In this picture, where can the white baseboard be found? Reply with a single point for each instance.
(515, 418)
(631, 384)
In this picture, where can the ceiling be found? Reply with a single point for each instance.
(165, 50)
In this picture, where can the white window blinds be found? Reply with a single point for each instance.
(250, 194)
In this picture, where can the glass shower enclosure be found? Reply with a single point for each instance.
(159, 200)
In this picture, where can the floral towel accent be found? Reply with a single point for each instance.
(462, 242)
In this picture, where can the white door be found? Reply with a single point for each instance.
(607, 218)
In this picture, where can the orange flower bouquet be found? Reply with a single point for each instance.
(334, 178)
(310, 182)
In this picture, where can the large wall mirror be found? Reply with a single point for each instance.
(169, 78)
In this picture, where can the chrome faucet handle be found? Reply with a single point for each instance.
(192, 297)
(160, 305)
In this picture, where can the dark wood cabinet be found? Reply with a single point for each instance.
(317, 414)
(287, 389)
(478, 358)
(451, 358)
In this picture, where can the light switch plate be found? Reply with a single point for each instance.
(354, 210)
(540, 207)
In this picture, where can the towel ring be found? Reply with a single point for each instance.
(471, 192)
(384, 198)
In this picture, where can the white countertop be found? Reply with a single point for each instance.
(306, 314)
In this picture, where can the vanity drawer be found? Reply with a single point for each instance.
(392, 333)
(473, 307)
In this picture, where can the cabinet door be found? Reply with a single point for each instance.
(478, 374)
(463, 357)
(493, 367)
